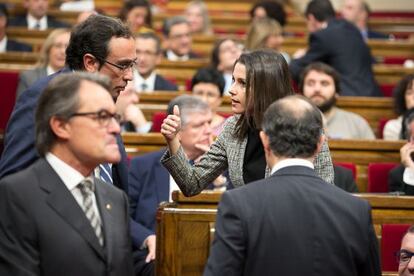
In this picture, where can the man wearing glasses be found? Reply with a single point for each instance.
(405, 255)
(56, 218)
(99, 45)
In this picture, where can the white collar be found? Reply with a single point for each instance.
(292, 162)
(32, 21)
(49, 70)
(3, 44)
(173, 57)
(139, 80)
(66, 173)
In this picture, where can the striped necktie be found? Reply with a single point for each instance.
(87, 188)
(105, 173)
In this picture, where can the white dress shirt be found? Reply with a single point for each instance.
(173, 57)
(3, 44)
(139, 81)
(292, 162)
(32, 22)
(71, 178)
(408, 176)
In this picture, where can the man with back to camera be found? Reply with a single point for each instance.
(292, 223)
(99, 45)
(338, 43)
(321, 84)
(56, 218)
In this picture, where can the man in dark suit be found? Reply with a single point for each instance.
(344, 179)
(56, 218)
(292, 223)
(178, 40)
(150, 183)
(339, 44)
(99, 44)
(148, 46)
(36, 17)
(6, 44)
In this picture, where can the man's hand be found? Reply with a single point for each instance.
(171, 125)
(150, 242)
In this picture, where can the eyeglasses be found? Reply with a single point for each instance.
(123, 67)
(103, 117)
(404, 256)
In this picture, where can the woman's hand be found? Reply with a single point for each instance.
(171, 125)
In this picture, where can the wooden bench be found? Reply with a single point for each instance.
(185, 228)
(359, 152)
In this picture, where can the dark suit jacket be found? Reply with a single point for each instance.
(17, 46)
(293, 223)
(21, 21)
(377, 35)
(19, 141)
(344, 179)
(44, 231)
(162, 84)
(396, 183)
(341, 46)
(29, 77)
(191, 55)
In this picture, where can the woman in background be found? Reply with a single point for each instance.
(259, 78)
(196, 14)
(136, 14)
(52, 59)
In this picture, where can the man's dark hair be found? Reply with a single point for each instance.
(153, 36)
(131, 4)
(3, 10)
(400, 105)
(322, 10)
(273, 10)
(209, 75)
(170, 22)
(321, 68)
(92, 37)
(294, 127)
(61, 99)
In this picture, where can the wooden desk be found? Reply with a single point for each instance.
(185, 228)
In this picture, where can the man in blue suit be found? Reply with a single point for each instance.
(99, 44)
(150, 183)
(5, 43)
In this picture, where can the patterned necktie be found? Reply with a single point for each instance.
(86, 188)
(37, 26)
(144, 87)
(105, 173)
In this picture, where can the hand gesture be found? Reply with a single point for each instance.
(171, 125)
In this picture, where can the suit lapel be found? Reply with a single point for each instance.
(62, 201)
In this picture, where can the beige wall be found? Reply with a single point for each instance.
(376, 5)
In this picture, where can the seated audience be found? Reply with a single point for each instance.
(270, 9)
(196, 14)
(403, 96)
(223, 56)
(265, 33)
(344, 179)
(339, 44)
(150, 183)
(36, 17)
(52, 59)
(288, 223)
(56, 218)
(357, 12)
(401, 178)
(148, 48)
(136, 14)
(178, 41)
(405, 254)
(208, 84)
(320, 83)
(7, 44)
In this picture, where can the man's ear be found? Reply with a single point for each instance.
(59, 127)
(90, 63)
(265, 141)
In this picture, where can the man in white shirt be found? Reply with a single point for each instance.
(148, 48)
(36, 17)
(293, 222)
(178, 40)
(5, 43)
(56, 217)
(320, 83)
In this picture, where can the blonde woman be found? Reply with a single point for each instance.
(52, 59)
(197, 16)
(265, 33)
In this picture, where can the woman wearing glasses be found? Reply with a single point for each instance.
(259, 78)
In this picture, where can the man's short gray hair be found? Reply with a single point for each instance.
(187, 104)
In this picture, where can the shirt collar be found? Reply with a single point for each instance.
(70, 177)
(32, 21)
(173, 57)
(292, 162)
(49, 70)
(139, 80)
(3, 45)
